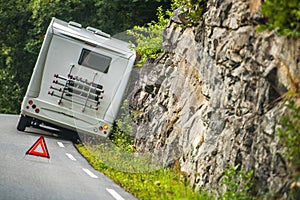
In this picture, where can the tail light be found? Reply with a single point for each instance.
(33, 106)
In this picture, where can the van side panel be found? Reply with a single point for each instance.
(35, 81)
(115, 105)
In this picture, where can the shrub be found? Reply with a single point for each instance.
(149, 39)
(195, 10)
(289, 135)
(238, 184)
(283, 15)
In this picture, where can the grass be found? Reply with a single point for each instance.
(149, 182)
(137, 173)
(146, 178)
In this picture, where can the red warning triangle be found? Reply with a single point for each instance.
(39, 148)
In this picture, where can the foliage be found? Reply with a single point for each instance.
(163, 184)
(195, 10)
(14, 71)
(149, 39)
(120, 15)
(238, 183)
(290, 135)
(10, 92)
(283, 15)
(43, 11)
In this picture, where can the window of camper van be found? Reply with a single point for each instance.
(94, 60)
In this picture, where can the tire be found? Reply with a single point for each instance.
(23, 121)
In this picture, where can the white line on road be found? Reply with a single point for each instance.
(70, 156)
(89, 173)
(114, 194)
(60, 144)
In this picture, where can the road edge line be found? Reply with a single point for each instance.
(113, 193)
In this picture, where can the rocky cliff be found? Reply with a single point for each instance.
(214, 97)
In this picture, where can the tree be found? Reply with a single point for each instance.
(13, 70)
(119, 15)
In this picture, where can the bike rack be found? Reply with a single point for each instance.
(66, 87)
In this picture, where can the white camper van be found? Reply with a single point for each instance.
(78, 81)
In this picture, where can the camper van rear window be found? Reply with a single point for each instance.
(94, 60)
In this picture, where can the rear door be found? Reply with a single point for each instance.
(80, 79)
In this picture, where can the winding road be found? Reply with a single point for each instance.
(66, 175)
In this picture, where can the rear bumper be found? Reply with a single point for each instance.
(65, 118)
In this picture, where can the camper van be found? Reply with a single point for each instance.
(78, 81)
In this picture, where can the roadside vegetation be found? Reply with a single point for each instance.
(160, 184)
(164, 183)
(145, 178)
(289, 135)
(137, 173)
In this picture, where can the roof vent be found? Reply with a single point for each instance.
(75, 24)
(98, 32)
(91, 29)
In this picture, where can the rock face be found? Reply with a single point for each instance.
(214, 98)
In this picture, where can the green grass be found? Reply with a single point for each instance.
(148, 182)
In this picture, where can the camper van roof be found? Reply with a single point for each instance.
(91, 36)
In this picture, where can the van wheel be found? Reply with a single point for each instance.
(23, 121)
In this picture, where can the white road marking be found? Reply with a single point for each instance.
(60, 144)
(70, 156)
(114, 194)
(89, 173)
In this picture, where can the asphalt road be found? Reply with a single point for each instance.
(66, 175)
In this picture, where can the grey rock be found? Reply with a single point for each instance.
(213, 99)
